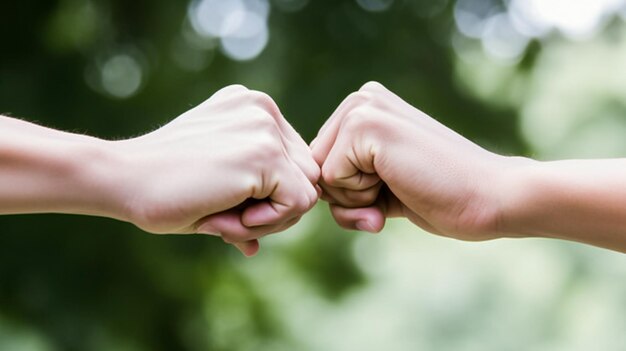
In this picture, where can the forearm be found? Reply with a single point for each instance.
(578, 200)
(47, 171)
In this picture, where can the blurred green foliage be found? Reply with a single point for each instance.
(72, 283)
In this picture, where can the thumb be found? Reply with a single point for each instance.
(372, 218)
(248, 248)
(369, 219)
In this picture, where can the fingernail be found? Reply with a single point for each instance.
(208, 229)
(366, 226)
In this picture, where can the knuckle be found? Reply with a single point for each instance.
(314, 172)
(358, 98)
(263, 100)
(309, 167)
(260, 117)
(363, 118)
(236, 87)
(313, 198)
(310, 197)
(318, 158)
(328, 175)
(268, 146)
(302, 204)
(263, 123)
(372, 86)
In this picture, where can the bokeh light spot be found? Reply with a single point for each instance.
(501, 40)
(214, 17)
(248, 41)
(240, 25)
(121, 76)
(471, 16)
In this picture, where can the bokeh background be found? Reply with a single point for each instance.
(542, 78)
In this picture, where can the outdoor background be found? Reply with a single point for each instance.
(542, 78)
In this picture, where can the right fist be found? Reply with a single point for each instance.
(381, 157)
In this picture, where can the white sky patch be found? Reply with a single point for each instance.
(575, 19)
(505, 31)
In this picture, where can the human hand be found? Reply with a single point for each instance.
(381, 157)
(232, 166)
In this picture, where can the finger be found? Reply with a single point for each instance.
(326, 196)
(328, 133)
(251, 247)
(348, 174)
(248, 248)
(345, 174)
(358, 97)
(325, 137)
(350, 163)
(296, 147)
(292, 196)
(229, 226)
(372, 219)
(301, 155)
(369, 219)
(350, 198)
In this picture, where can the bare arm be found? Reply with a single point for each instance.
(232, 167)
(381, 157)
(579, 200)
(45, 170)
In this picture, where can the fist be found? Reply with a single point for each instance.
(380, 157)
(231, 166)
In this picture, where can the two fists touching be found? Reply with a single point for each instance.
(234, 167)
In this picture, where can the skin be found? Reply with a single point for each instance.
(234, 167)
(381, 157)
(231, 166)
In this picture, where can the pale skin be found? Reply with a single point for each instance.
(381, 157)
(234, 167)
(231, 167)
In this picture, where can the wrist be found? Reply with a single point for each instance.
(100, 179)
(518, 192)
